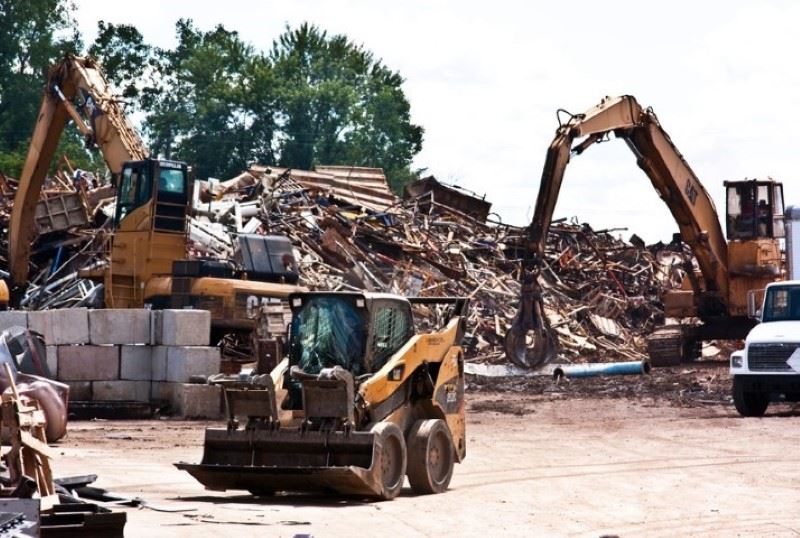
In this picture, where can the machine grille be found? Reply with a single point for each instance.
(770, 357)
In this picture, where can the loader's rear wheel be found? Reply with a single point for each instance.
(392, 470)
(431, 456)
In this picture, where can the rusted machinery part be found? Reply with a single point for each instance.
(530, 348)
(530, 342)
(671, 345)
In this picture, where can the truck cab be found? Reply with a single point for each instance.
(769, 365)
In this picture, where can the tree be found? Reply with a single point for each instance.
(33, 35)
(337, 105)
(218, 104)
(210, 102)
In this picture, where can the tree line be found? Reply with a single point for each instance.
(213, 99)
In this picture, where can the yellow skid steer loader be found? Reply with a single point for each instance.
(360, 402)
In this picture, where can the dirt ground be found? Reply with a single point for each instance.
(587, 458)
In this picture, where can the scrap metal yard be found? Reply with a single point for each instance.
(553, 463)
(330, 269)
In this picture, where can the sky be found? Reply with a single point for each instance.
(485, 80)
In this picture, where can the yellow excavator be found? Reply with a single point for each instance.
(730, 265)
(360, 403)
(147, 262)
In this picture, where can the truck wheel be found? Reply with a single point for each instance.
(430, 456)
(749, 403)
(392, 468)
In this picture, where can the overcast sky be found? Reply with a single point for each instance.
(485, 78)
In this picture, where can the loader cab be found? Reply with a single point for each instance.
(357, 331)
(754, 209)
(165, 183)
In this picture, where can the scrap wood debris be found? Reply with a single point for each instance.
(350, 232)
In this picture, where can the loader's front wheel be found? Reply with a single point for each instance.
(431, 456)
(392, 467)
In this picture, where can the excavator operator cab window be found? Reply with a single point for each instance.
(134, 189)
(754, 209)
(172, 197)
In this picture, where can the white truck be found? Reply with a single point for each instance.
(769, 364)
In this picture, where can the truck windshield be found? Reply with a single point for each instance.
(782, 303)
(328, 331)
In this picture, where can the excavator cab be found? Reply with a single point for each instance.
(754, 209)
(163, 181)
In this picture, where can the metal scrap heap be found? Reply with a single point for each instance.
(350, 232)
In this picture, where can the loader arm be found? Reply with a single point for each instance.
(671, 176)
(72, 79)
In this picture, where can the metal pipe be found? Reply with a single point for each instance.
(593, 369)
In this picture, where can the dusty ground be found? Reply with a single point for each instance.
(590, 458)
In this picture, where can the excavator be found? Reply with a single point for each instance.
(147, 264)
(730, 265)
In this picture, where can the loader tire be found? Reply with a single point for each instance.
(392, 469)
(431, 456)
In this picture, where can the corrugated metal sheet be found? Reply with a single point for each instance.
(361, 186)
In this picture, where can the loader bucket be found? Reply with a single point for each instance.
(291, 459)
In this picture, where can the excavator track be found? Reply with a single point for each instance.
(671, 345)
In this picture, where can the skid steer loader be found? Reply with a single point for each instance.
(360, 402)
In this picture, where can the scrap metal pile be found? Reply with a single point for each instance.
(72, 224)
(350, 232)
(601, 294)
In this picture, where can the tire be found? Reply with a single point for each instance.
(749, 403)
(431, 456)
(391, 468)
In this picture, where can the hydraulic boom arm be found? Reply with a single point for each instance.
(689, 203)
(74, 78)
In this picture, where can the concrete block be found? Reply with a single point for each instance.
(80, 391)
(183, 362)
(62, 326)
(197, 401)
(88, 363)
(119, 326)
(155, 327)
(185, 327)
(13, 318)
(158, 371)
(162, 391)
(52, 360)
(121, 390)
(135, 363)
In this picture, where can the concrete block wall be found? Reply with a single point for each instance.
(130, 354)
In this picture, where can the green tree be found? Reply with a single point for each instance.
(338, 104)
(218, 104)
(33, 35)
(210, 102)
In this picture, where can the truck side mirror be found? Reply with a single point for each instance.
(754, 304)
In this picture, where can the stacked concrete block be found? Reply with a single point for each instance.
(183, 328)
(121, 390)
(13, 318)
(184, 362)
(60, 327)
(111, 355)
(119, 326)
(197, 401)
(88, 363)
(158, 370)
(52, 360)
(136, 363)
(79, 391)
